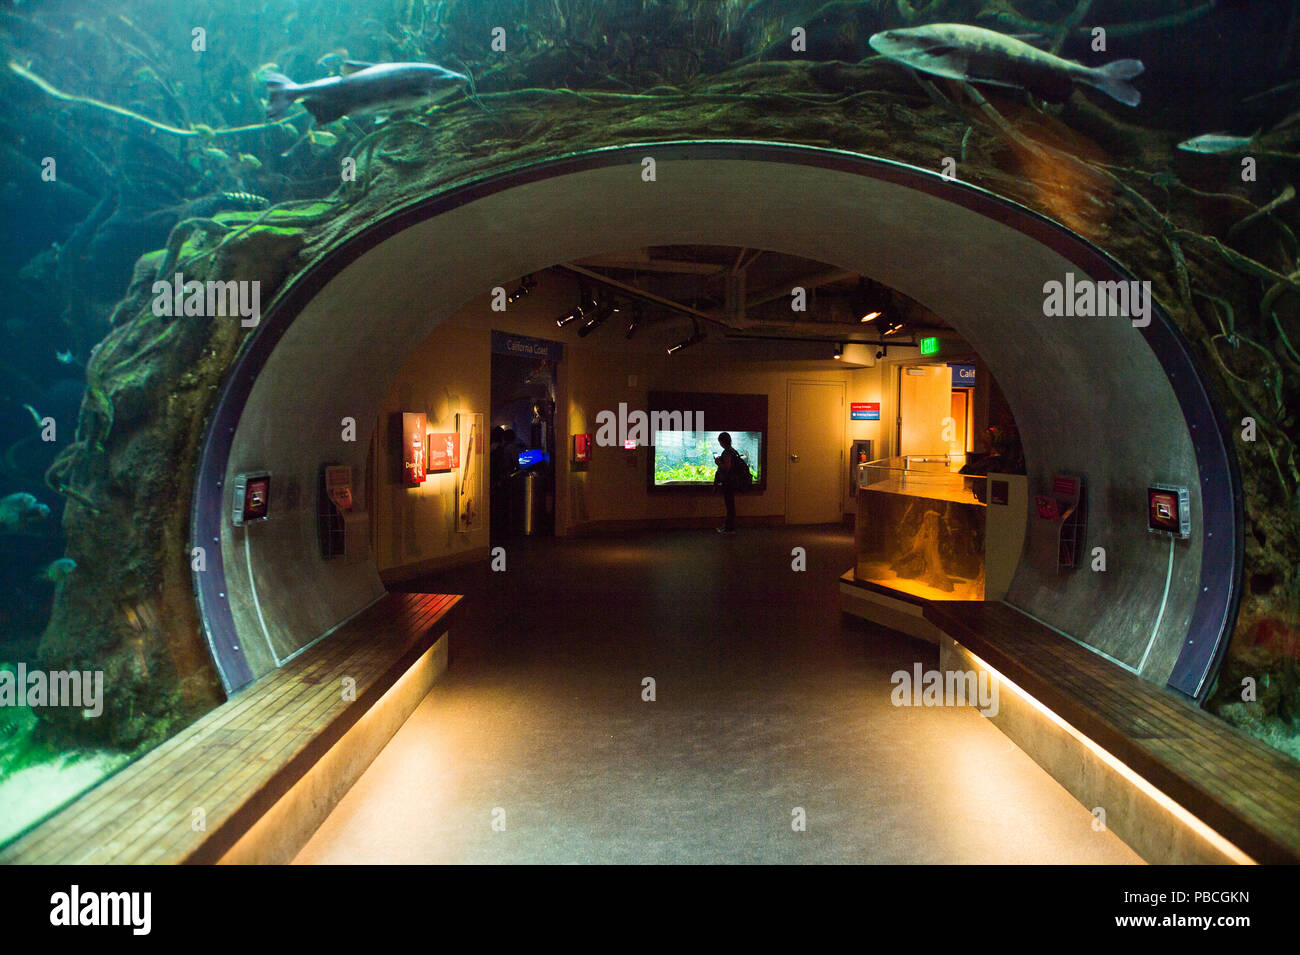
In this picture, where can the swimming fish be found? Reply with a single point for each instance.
(57, 571)
(333, 58)
(363, 88)
(64, 358)
(20, 512)
(1217, 144)
(977, 55)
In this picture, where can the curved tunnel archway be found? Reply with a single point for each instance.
(1125, 406)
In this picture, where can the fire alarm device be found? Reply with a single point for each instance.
(1169, 511)
(252, 498)
(581, 448)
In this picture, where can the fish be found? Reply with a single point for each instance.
(20, 512)
(64, 358)
(363, 88)
(57, 571)
(1217, 144)
(333, 58)
(977, 55)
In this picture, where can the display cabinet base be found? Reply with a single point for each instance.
(870, 602)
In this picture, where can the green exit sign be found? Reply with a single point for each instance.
(929, 346)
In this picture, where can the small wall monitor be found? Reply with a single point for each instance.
(252, 498)
(1169, 511)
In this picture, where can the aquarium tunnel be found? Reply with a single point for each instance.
(1126, 405)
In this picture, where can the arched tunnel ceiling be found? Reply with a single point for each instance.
(1096, 396)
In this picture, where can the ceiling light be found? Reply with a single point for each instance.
(686, 343)
(601, 315)
(839, 351)
(527, 285)
(871, 316)
(573, 316)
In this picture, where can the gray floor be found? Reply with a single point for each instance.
(767, 701)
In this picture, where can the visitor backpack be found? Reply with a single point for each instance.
(742, 479)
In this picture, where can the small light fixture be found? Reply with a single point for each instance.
(870, 317)
(573, 316)
(599, 318)
(525, 286)
(686, 343)
(839, 351)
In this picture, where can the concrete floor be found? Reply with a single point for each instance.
(767, 700)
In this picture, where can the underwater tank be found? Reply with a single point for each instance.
(139, 148)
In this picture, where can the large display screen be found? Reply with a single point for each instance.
(686, 458)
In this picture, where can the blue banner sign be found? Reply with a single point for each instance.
(524, 347)
(963, 376)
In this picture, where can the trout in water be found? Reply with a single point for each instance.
(976, 55)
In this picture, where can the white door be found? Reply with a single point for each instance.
(815, 452)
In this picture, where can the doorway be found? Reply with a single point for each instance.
(521, 465)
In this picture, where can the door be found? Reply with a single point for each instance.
(924, 401)
(960, 417)
(815, 452)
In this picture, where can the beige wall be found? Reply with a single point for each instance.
(449, 373)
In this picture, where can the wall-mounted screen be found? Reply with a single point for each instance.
(684, 459)
(1169, 511)
(252, 498)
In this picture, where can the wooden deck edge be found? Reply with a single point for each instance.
(424, 627)
(1234, 826)
(277, 835)
(223, 837)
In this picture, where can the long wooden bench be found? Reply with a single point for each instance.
(237, 761)
(1245, 790)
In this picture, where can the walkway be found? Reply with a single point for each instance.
(767, 700)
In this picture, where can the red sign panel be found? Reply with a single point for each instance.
(444, 451)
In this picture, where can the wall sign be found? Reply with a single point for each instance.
(444, 451)
(864, 411)
(521, 346)
(411, 428)
(581, 448)
(469, 489)
(963, 376)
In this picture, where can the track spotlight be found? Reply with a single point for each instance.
(839, 351)
(574, 316)
(634, 322)
(686, 343)
(586, 307)
(525, 286)
(598, 318)
(892, 326)
(870, 316)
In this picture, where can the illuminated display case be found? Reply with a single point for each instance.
(921, 527)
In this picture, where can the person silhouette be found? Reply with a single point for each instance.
(726, 478)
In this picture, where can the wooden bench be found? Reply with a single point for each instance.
(1245, 790)
(238, 760)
